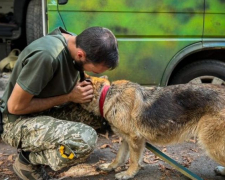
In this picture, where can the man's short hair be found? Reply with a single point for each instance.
(100, 46)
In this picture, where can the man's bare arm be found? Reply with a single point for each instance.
(22, 102)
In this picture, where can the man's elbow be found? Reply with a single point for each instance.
(13, 109)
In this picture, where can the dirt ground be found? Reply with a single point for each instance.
(189, 154)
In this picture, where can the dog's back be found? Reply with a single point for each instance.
(174, 111)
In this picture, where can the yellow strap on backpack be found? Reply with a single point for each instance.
(9, 61)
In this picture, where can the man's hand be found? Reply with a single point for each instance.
(82, 92)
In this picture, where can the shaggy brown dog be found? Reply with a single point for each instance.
(161, 116)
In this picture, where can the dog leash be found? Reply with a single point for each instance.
(172, 162)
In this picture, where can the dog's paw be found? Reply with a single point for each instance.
(220, 170)
(123, 175)
(105, 167)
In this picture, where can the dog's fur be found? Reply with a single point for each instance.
(161, 116)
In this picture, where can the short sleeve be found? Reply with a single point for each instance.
(37, 71)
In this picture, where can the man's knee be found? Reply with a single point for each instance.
(89, 136)
(80, 138)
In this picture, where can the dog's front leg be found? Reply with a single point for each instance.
(136, 147)
(121, 158)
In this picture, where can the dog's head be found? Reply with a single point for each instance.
(98, 84)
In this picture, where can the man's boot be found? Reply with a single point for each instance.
(25, 170)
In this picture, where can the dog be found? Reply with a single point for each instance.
(160, 116)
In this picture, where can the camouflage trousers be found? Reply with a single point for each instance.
(50, 141)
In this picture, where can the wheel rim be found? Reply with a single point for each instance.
(208, 80)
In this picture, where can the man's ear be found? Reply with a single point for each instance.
(104, 77)
(81, 54)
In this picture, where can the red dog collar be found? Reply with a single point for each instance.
(102, 98)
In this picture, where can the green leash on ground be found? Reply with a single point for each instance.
(172, 162)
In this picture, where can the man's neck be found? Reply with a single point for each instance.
(66, 36)
(71, 44)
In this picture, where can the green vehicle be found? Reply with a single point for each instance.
(160, 42)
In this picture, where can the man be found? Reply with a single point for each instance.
(46, 75)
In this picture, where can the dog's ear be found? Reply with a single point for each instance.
(104, 77)
(87, 76)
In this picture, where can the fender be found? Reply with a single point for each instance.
(200, 46)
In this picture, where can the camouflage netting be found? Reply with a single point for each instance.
(69, 111)
(74, 112)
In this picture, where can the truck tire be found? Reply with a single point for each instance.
(204, 71)
(34, 27)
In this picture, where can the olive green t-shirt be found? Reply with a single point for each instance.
(45, 68)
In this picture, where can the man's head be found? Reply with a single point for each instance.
(97, 48)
